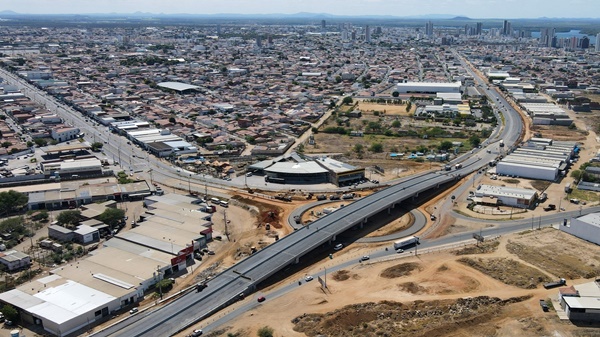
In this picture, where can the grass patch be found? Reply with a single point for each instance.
(562, 264)
(400, 270)
(508, 271)
(482, 248)
(582, 195)
(341, 275)
(511, 181)
(540, 185)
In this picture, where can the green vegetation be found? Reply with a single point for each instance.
(11, 202)
(97, 146)
(265, 331)
(112, 216)
(10, 313)
(69, 219)
(123, 178)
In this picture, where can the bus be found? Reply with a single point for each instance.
(407, 241)
(224, 203)
(215, 201)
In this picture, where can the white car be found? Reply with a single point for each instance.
(196, 333)
(339, 246)
(308, 278)
(133, 311)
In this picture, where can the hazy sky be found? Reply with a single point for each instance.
(471, 8)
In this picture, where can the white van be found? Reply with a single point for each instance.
(215, 201)
(224, 203)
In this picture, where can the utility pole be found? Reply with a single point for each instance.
(158, 273)
(225, 220)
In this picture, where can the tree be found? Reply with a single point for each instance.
(475, 141)
(358, 148)
(408, 106)
(577, 174)
(376, 148)
(396, 124)
(445, 145)
(12, 201)
(112, 216)
(265, 331)
(40, 142)
(172, 120)
(96, 146)
(347, 100)
(6, 144)
(69, 218)
(10, 313)
(395, 94)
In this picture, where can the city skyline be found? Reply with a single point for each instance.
(471, 8)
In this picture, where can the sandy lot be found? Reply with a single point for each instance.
(435, 276)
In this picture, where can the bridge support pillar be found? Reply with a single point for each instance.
(390, 210)
(333, 238)
(297, 260)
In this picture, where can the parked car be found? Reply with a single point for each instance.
(308, 278)
(339, 246)
(196, 333)
(261, 299)
(544, 305)
(133, 311)
(399, 250)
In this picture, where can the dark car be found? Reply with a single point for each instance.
(261, 299)
(544, 305)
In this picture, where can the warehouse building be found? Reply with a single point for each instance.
(581, 302)
(427, 88)
(505, 196)
(547, 114)
(586, 227)
(539, 158)
(60, 306)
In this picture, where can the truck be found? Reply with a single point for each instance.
(550, 207)
(406, 242)
(568, 188)
(560, 282)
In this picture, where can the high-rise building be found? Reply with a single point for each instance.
(478, 28)
(584, 42)
(546, 35)
(429, 28)
(218, 29)
(323, 24)
(573, 42)
(367, 34)
(597, 48)
(506, 28)
(259, 42)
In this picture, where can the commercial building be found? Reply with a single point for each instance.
(586, 227)
(63, 134)
(547, 114)
(427, 88)
(295, 169)
(581, 302)
(538, 160)
(14, 260)
(505, 196)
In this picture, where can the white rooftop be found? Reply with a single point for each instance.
(177, 86)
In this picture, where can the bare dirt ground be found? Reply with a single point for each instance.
(434, 294)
